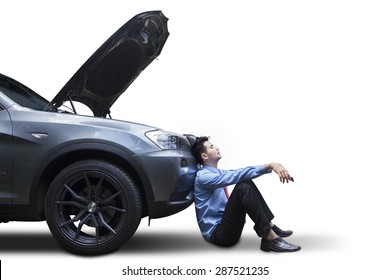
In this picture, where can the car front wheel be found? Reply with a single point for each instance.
(93, 207)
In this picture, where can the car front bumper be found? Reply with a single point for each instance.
(171, 175)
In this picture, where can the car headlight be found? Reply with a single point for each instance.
(166, 140)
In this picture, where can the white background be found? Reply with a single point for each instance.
(303, 83)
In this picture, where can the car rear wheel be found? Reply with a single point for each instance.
(93, 207)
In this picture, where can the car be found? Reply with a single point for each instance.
(92, 178)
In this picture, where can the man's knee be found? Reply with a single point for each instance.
(246, 186)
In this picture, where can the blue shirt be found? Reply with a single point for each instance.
(210, 198)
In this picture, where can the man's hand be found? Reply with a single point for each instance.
(282, 172)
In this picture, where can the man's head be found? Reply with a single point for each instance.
(205, 152)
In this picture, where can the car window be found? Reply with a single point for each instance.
(23, 96)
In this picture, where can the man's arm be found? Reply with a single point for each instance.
(208, 179)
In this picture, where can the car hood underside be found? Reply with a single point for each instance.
(116, 64)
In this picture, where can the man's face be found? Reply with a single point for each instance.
(212, 152)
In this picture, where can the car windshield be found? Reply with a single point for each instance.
(22, 95)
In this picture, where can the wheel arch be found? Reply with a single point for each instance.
(74, 152)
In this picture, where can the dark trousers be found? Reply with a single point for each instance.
(244, 199)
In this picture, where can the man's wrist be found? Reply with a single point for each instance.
(269, 166)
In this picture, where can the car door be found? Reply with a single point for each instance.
(5, 158)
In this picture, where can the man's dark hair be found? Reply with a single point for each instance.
(198, 148)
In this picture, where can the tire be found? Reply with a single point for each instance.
(93, 207)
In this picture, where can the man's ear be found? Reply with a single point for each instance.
(204, 156)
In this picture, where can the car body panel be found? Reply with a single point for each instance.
(46, 133)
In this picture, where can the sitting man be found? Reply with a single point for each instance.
(221, 217)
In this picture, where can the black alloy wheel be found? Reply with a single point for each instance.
(93, 207)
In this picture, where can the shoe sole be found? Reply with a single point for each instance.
(269, 249)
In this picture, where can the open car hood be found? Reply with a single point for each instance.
(115, 65)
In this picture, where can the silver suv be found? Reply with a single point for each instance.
(92, 178)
